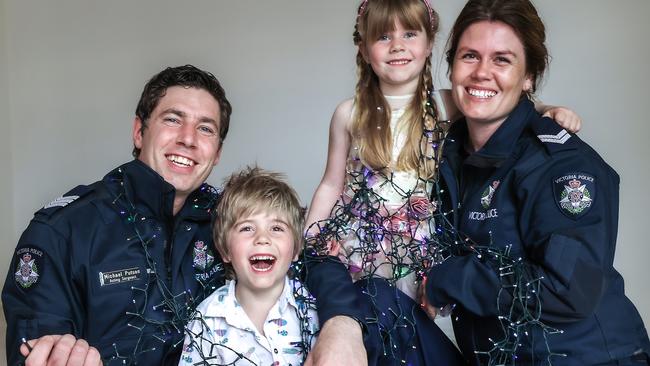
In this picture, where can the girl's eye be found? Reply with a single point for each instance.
(410, 35)
(278, 228)
(383, 37)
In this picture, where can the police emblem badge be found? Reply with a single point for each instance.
(29, 266)
(488, 193)
(574, 193)
(202, 256)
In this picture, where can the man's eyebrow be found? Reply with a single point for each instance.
(208, 120)
(174, 111)
(183, 114)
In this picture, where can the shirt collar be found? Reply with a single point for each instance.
(501, 144)
(225, 302)
(145, 189)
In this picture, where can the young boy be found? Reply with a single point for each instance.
(261, 317)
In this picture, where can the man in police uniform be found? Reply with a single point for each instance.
(117, 265)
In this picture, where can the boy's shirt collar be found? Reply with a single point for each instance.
(226, 305)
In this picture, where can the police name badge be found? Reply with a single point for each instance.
(120, 276)
(574, 193)
(29, 266)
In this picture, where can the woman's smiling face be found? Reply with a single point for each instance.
(488, 73)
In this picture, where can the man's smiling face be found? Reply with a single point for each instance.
(181, 139)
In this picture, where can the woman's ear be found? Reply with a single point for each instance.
(528, 84)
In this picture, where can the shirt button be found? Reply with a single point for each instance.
(275, 350)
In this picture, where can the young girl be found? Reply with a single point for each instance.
(376, 205)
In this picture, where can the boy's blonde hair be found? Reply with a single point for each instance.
(251, 191)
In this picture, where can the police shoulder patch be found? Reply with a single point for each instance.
(65, 199)
(574, 193)
(61, 202)
(29, 266)
(202, 256)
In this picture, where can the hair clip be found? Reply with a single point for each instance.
(364, 4)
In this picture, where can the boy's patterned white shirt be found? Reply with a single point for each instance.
(222, 334)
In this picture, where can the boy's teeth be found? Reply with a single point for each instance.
(180, 160)
(262, 263)
(262, 258)
(481, 93)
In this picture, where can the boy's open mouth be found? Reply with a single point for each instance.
(262, 263)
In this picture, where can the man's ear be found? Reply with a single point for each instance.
(218, 154)
(138, 126)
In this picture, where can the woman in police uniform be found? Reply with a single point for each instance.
(534, 282)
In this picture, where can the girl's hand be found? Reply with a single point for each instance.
(429, 309)
(565, 117)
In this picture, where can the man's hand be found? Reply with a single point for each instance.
(60, 350)
(340, 342)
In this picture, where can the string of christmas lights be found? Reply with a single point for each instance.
(163, 321)
(212, 352)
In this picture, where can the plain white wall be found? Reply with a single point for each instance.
(75, 69)
(7, 240)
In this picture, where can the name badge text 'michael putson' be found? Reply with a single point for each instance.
(119, 276)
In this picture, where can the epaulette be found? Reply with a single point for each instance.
(66, 199)
(553, 136)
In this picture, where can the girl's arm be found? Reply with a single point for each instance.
(565, 117)
(331, 186)
(329, 280)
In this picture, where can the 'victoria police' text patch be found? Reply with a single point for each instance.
(574, 193)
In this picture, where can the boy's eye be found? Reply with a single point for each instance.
(245, 228)
(279, 228)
